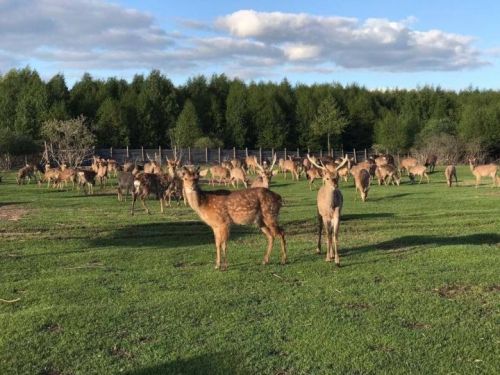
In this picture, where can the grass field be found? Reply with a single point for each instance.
(102, 292)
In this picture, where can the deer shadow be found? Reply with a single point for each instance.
(165, 235)
(2, 204)
(210, 363)
(437, 241)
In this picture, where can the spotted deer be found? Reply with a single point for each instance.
(220, 173)
(291, 166)
(222, 208)
(406, 164)
(484, 170)
(146, 184)
(86, 179)
(265, 175)
(236, 175)
(329, 203)
(251, 163)
(25, 173)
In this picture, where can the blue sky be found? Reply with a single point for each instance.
(378, 44)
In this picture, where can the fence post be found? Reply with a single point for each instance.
(321, 153)
(234, 152)
(298, 153)
(159, 153)
(206, 155)
(285, 153)
(355, 158)
(343, 150)
(246, 151)
(111, 152)
(189, 155)
(219, 156)
(272, 152)
(308, 151)
(142, 152)
(366, 155)
(260, 155)
(127, 153)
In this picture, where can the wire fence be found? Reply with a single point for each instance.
(218, 155)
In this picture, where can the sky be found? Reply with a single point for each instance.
(376, 44)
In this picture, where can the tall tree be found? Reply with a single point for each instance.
(187, 129)
(329, 120)
(237, 115)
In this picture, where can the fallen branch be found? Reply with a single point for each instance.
(10, 301)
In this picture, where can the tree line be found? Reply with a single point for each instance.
(221, 112)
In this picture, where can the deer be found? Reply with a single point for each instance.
(25, 173)
(86, 178)
(329, 203)
(146, 184)
(291, 166)
(219, 172)
(266, 174)
(312, 173)
(102, 173)
(430, 162)
(418, 170)
(237, 175)
(112, 167)
(223, 208)
(362, 182)
(387, 174)
(66, 175)
(152, 167)
(50, 175)
(128, 166)
(236, 163)
(125, 184)
(449, 173)
(251, 163)
(407, 163)
(483, 170)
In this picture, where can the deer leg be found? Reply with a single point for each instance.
(478, 181)
(162, 203)
(320, 230)
(329, 249)
(336, 223)
(120, 196)
(224, 236)
(143, 202)
(134, 198)
(428, 179)
(269, 249)
(217, 247)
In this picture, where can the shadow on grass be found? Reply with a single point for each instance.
(437, 241)
(217, 363)
(2, 204)
(400, 195)
(166, 235)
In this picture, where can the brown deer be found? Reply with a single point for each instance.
(362, 182)
(146, 184)
(221, 209)
(291, 166)
(418, 170)
(430, 162)
(312, 173)
(251, 163)
(50, 175)
(128, 166)
(66, 175)
(237, 175)
(329, 202)
(449, 173)
(387, 174)
(407, 163)
(483, 170)
(152, 167)
(265, 175)
(102, 173)
(219, 172)
(125, 184)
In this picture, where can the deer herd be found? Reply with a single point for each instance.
(256, 203)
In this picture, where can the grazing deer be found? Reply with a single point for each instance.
(369, 165)
(237, 175)
(265, 175)
(484, 170)
(251, 163)
(146, 184)
(430, 162)
(387, 174)
(66, 175)
(86, 178)
(418, 170)
(291, 166)
(407, 163)
(26, 172)
(221, 209)
(449, 173)
(329, 202)
(362, 182)
(219, 172)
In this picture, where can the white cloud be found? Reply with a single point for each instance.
(97, 35)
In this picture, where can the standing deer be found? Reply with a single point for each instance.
(125, 184)
(387, 174)
(146, 184)
(362, 182)
(484, 170)
(237, 175)
(26, 172)
(449, 173)
(430, 162)
(219, 172)
(251, 163)
(292, 167)
(86, 178)
(418, 170)
(329, 202)
(407, 163)
(221, 209)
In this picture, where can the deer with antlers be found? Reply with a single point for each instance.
(290, 166)
(329, 202)
(222, 208)
(265, 175)
(483, 170)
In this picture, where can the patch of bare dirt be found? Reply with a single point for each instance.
(12, 212)
(120, 353)
(452, 291)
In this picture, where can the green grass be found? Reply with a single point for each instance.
(102, 292)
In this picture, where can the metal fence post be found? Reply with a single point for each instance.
(142, 152)
(246, 152)
(366, 155)
(285, 153)
(111, 152)
(355, 158)
(234, 152)
(159, 153)
(298, 153)
(260, 155)
(321, 153)
(206, 155)
(219, 156)
(127, 153)
(189, 155)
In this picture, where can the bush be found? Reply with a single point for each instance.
(207, 142)
(13, 143)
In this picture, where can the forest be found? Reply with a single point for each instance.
(218, 111)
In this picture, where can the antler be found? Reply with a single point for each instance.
(273, 162)
(322, 167)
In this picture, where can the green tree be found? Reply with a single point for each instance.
(329, 120)
(237, 115)
(109, 127)
(391, 133)
(187, 129)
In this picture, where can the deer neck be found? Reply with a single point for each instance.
(194, 197)
(471, 166)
